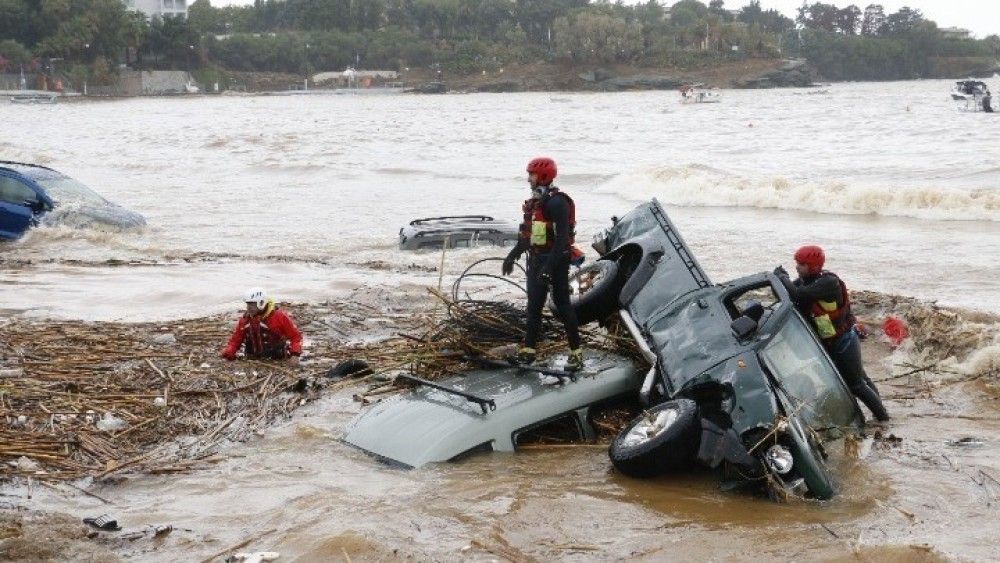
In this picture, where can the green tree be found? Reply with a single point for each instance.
(849, 20)
(204, 18)
(597, 37)
(86, 29)
(12, 54)
(171, 43)
(687, 13)
(819, 16)
(874, 20)
(993, 44)
(903, 21)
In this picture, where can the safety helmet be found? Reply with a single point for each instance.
(544, 168)
(256, 295)
(812, 256)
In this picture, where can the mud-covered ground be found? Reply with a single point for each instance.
(921, 488)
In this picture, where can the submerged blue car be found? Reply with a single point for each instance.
(31, 194)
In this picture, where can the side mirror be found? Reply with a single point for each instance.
(744, 327)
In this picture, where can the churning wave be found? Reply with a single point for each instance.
(704, 186)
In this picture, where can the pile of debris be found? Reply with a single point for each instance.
(94, 399)
(943, 341)
(468, 331)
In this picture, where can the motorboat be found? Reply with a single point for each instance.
(694, 94)
(973, 96)
(969, 89)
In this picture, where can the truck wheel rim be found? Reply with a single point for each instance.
(584, 282)
(649, 427)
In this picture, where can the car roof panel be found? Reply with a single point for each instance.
(429, 425)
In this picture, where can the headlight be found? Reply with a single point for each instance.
(778, 459)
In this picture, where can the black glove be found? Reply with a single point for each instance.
(508, 262)
(781, 272)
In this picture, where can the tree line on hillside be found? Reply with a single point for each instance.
(851, 44)
(96, 37)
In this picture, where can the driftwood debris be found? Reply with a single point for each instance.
(172, 400)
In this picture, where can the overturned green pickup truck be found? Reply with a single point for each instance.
(736, 378)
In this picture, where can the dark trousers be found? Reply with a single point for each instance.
(538, 291)
(846, 355)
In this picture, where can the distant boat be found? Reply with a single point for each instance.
(32, 97)
(965, 90)
(972, 95)
(693, 94)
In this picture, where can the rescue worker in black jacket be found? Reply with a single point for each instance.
(547, 234)
(822, 297)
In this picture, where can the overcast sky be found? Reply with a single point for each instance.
(980, 16)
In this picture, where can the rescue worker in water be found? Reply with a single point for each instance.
(547, 234)
(264, 332)
(822, 296)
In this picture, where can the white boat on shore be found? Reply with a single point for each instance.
(30, 96)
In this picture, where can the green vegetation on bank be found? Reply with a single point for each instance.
(94, 38)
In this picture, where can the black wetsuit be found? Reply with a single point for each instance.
(845, 349)
(556, 264)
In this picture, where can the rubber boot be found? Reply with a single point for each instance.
(871, 384)
(575, 360)
(870, 398)
(525, 356)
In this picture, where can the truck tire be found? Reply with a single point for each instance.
(662, 438)
(595, 289)
(809, 463)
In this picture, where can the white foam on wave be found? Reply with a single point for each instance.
(704, 186)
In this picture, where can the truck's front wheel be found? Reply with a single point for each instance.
(662, 438)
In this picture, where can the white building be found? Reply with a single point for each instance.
(955, 33)
(161, 8)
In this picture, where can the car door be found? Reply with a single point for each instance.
(17, 203)
(808, 377)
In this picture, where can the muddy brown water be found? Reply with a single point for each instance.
(919, 202)
(300, 491)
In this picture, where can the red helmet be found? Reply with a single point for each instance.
(812, 256)
(545, 168)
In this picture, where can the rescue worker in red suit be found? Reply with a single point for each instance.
(822, 297)
(264, 332)
(546, 234)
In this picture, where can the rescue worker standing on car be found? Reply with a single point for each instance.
(822, 296)
(264, 331)
(547, 234)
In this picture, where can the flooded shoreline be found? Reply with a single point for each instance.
(307, 201)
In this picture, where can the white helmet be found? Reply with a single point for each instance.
(256, 295)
